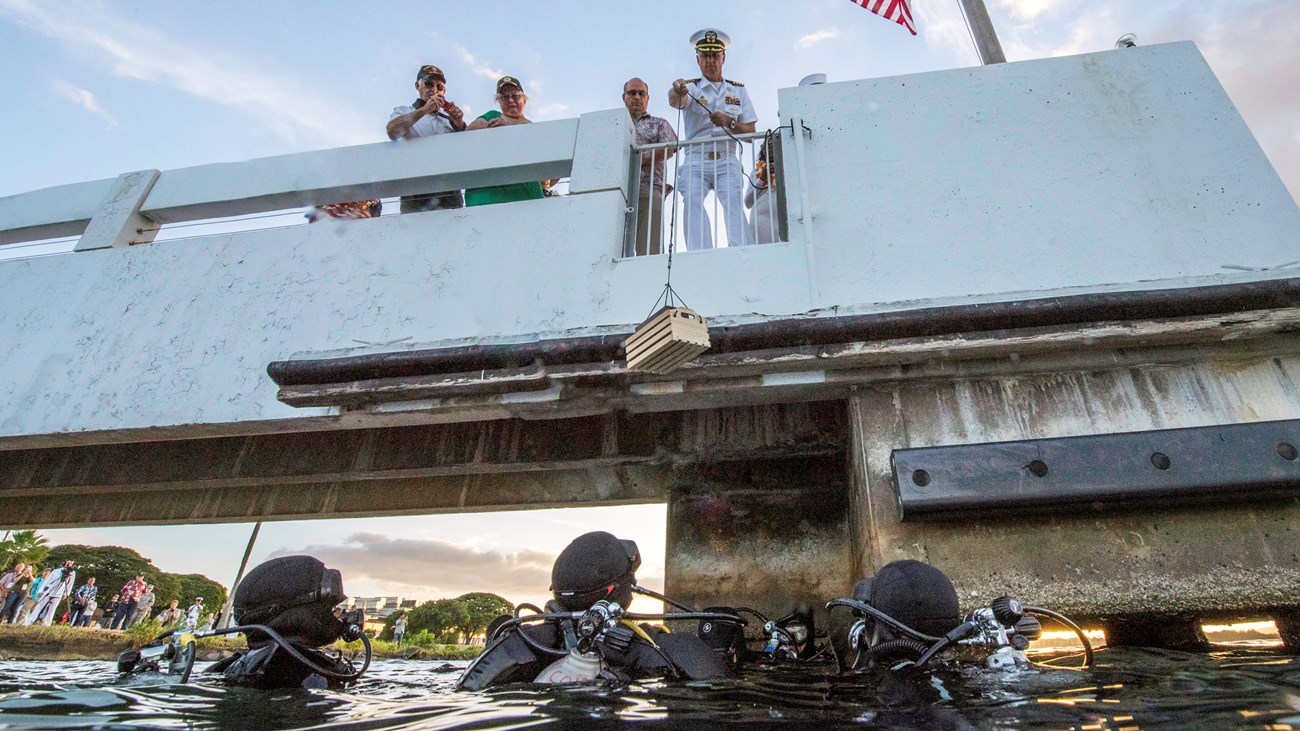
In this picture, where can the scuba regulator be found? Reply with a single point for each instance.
(907, 614)
(285, 608)
(586, 632)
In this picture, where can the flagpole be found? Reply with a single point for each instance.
(982, 33)
(226, 620)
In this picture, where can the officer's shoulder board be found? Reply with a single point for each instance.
(733, 83)
(694, 81)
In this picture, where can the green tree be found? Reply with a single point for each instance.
(443, 618)
(195, 585)
(24, 545)
(112, 566)
(480, 609)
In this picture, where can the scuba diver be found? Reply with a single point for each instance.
(907, 615)
(287, 609)
(586, 632)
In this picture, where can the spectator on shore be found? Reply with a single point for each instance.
(8, 581)
(399, 630)
(33, 591)
(207, 622)
(13, 603)
(57, 585)
(650, 193)
(106, 614)
(430, 114)
(512, 100)
(127, 599)
(716, 109)
(171, 615)
(83, 596)
(144, 607)
(87, 614)
(192, 614)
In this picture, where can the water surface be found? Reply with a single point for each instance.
(1242, 687)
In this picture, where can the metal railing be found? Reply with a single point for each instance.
(702, 194)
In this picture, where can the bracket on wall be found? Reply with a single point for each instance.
(1212, 462)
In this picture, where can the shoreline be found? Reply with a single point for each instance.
(59, 643)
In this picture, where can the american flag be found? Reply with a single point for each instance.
(895, 10)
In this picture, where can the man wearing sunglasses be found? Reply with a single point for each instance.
(650, 196)
(430, 114)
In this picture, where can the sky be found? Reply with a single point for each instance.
(94, 89)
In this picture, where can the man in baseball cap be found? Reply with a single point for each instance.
(430, 114)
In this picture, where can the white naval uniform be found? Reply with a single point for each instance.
(713, 167)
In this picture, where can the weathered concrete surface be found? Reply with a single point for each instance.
(509, 464)
(762, 534)
(594, 486)
(1099, 560)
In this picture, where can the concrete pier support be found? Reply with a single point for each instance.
(763, 534)
(1092, 561)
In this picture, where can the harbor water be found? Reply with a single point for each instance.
(1247, 686)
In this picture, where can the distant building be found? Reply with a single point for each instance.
(378, 608)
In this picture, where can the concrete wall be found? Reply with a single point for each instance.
(1125, 169)
(1230, 558)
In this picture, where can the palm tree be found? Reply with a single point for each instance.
(25, 546)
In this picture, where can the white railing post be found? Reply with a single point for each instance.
(602, 153)
(118, 222)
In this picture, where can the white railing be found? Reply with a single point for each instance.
(148, 205)
(715, 193)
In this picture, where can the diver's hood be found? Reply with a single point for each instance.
(915, 593)
(593, 567)
(295, 596)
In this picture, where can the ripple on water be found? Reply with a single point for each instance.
(1130, 688)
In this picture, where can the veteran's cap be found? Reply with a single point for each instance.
(710, 40)
(429, 70)
(506, 81)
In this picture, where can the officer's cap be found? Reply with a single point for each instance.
(710, 40)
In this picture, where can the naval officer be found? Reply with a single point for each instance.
(713, 107)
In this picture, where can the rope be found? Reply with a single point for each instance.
(970, 32)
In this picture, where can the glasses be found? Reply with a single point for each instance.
(431, 83)
(513, 96)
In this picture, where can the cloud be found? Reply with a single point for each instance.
(811, 39)
(477, 66)
(1029, 9)
(433, 568)
(550, 110)
(133, 50)
(81, 98)
(944, 28)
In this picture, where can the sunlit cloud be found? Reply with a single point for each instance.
(478, 67)
(811, 39)
(133, 50)
(82, 98)
(433, 568)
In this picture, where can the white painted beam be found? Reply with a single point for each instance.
(48, 213)
(445, 162)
